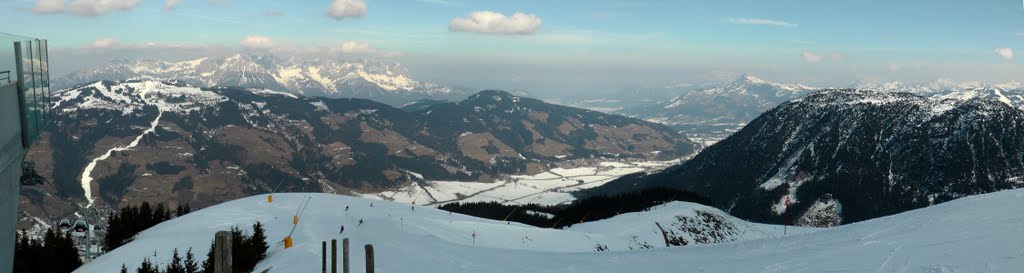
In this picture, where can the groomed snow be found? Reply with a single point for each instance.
(972, 234)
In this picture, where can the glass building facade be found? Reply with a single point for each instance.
(24, 112)
(24, 63)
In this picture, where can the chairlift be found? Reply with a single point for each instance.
(80, 228)
(64, 225)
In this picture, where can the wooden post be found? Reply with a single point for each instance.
(369, 258)
(344, 255)
(323, 256)
(334, 256)
(222, 252)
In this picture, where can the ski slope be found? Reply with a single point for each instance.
(972, 234)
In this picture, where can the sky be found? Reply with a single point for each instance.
(564, 46)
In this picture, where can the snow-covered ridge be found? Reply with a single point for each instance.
(131, 96)
(324, 76)
(971, 234)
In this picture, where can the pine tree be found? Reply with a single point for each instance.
(190, 262)
(145, 216)
(20, 252)
(258, 243)
(208, 263)
(175, 266)
(124, 269)
(147, 267)
(65, 253)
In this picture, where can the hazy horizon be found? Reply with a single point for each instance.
(559, 49)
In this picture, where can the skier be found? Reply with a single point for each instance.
(342, 229)
(346, 208)
(360, 222)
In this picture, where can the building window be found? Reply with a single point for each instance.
(33, 79)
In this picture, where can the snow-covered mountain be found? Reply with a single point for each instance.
(842, 156)
(971, 234)
(711, 112)
(383, 81)
(164, 141)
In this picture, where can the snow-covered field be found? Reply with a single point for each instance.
(972, 234)
(551, 187)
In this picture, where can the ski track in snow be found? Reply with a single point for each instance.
(971, 234)
(87, 174)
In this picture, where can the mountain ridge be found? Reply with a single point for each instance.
(206, 145)
(385, 81)
(844, 156)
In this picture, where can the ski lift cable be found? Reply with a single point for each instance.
(278, 185)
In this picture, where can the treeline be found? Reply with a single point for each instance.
(246, 251)
(177, 265)
(584, 210)
(122, 227)
(54, 253)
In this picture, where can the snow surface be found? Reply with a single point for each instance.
(972, 234)
(552, 187)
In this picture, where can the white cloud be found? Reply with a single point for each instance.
(355, 47)
(812, 57)
(48, 6)
(257, 42)
(489, 22)
(341, 9)
(100, 7)
(759, 21)
(360, 48)
(1005, 53)
(170, 4)
(894, 67)
(104, 43)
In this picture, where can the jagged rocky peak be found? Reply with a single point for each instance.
(382, 80)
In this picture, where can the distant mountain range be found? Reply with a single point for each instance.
(843, 156)
(112, 143)
(382, 81)
(710, 112)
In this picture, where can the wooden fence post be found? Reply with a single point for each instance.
(323, 256)
(222, 252)
(344, 255)
(334, 256)
(369, 258)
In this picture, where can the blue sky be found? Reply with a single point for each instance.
(572, 45)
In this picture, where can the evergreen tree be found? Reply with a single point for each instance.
(147, 267)
(65, 253)
(258, 243)
(124, 269)
(20, 252)
(145, 216)
(175, 266)
(190, 262)
(208, 263)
